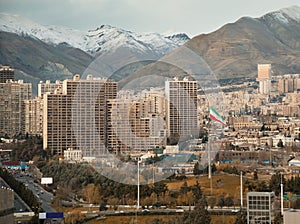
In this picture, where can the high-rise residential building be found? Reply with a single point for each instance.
(12, 107)
(181, 108)
(264, 75)
(6, 73)
(34, 116)
(265, 86)
(72, 103)
(264, 71)
(260, 207)
(131, 128)
(288, 83)
(44, 87)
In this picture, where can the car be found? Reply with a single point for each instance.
(145, 210)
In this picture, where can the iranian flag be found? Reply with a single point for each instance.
(213, 114)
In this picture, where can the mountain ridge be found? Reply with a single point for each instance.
(235, 49)
(96, 41)
(232, 51)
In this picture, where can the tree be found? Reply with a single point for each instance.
(184, 188)
(92, 194)
(280, 143)
(278, 218)
(211, 201)
(229, 201)
(275, 181)
(199, 215)
(196, 189)
(255, 177)
(196, 170)
(74, 217)
(241, 218)
(160, 188)
(221, 202)
(262, 186)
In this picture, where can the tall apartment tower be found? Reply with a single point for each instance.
(72, 102)
(44, 87)
(6, 73)
(264, 71)
(264, 75)
(131, 128)
(34, 116)
(181, 108)
(12, 106)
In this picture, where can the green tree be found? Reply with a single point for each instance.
(275, 181)
(196, 170)
(160, 188)
(184, 188)
(278, 218)
(241, 218)
(199, 215)
(255, 177)
(196, 189)
(221, 202)
(262, 186)
(228, 201)
(280, 143)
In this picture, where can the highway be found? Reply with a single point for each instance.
(44, 197)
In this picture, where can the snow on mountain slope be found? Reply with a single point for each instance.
(103, 39)
(293, 12)
(285, 15)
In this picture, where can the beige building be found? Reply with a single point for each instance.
(288, 83)
(264, 71)
(12, 107)
(44, 87)
(34, 116)
(75, 115)
(131, 128)
(6, 73)
(181, 108)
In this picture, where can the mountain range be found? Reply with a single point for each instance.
(39, 52)
(235, 49)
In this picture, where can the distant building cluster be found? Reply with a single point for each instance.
(81, 118)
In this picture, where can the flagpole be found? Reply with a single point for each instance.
(209, 165)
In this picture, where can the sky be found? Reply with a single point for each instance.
(192, 17)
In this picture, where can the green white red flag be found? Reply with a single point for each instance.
(214, 115)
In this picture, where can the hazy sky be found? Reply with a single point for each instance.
(164, 16)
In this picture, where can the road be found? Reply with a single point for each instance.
(43, 196)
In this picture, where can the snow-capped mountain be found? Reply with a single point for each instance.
(285, 15)
(95, 42)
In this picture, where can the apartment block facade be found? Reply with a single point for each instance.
(181, 108)
(12, 106)
(6, 73)
(72, 103)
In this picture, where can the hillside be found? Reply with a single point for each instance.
(235, 49)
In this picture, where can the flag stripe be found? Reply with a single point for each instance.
(216, 116)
